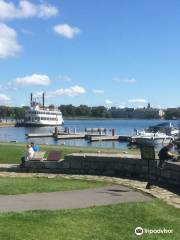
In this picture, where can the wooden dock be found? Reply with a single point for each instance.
(92, 136)
(109, 138)
(71, 136)
(39, 135)
(103, 138)
(8, 124)
(89, 135)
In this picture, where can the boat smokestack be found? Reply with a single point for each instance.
(43, 99)
(31, 99)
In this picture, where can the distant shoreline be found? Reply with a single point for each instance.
(12, 124)
(7, 124)
(99, 118)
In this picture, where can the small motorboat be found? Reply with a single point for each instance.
(164, 127)
(149, 138)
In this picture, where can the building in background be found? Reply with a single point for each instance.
(138, 113)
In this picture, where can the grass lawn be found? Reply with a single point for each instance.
(29, 185)
(113, 222)
(12, 152)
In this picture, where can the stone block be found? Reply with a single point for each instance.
(118, 165)
(75, 163)
(166, 174)
(108, 173)
(94, 172)
(175, 175)
(129, 168)
(154, 171)
(145, 169)
(34, 164)
(51, 164)
(64, 164)
(175, 166)
(88, 163)
(173, 182)
(138, 168)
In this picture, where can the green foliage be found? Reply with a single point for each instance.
(172, 113)
(116, 222)
(12, 112)
(84, 111)
(94, 112)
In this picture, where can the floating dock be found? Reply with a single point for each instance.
(8, 124)
(103, 138)
(39, 135)
(70, 136)
(109, 138)
(90, 134)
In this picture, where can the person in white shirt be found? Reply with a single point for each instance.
(29, 153)
(28, 156)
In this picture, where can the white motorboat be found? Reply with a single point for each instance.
(164, 127)
(39, 115)
(151, 138)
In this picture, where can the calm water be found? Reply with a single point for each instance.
(121, 127)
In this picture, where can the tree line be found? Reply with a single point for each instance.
(67, 111)
(79, 111)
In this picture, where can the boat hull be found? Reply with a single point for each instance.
(23, 124)
(152, 141)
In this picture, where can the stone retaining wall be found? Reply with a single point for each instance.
(110, 165)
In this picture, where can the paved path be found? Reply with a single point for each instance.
(71, 199)
(158, 192)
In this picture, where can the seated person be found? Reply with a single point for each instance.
(165, 154)
(36, 148)
(28, 156)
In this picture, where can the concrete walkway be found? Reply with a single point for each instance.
(158, 192)
(70, 199)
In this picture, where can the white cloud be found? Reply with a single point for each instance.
(137, 100)
(38, 94)
(121, 106)
(72, 91)
(98, 91)
(35, 79)
(26, 31)
(9, 46)
(64, 78)
(129, 81)
(4, 98)
(25, 9)
(108, 102)
(125, 80)
(66, 31)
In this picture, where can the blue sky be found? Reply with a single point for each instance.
(105, 52)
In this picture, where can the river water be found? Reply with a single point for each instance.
(8, 134)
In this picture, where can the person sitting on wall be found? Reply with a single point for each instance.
(165, 154)
(28, 156)
(36, 148)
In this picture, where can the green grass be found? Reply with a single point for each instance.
(114, 222)
(29, 185)
(12, 152)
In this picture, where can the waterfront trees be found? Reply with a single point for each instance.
(12, 112)
(172, 113)
(95, 112)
